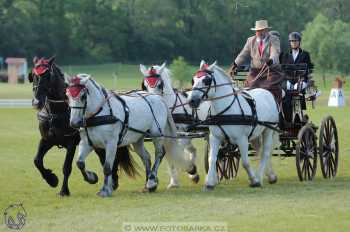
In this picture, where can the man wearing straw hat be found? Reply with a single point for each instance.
(263, 50)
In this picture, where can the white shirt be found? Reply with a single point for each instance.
(295, 53)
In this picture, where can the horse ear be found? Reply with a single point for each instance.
(67, 78)
(162, 67)
(143, 70)
(202, 64)
(52, 59)
(35, 59)
(143, 87)
(212, 66)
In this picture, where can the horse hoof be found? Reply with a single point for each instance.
(52, 180)
(171, 186)
(195, 178)
(255, 185)
(273, 180)
(104, 193)
(64, 193)
(151, 185)
(115, 185)
(208, 188)
(153, 189)
(91, 177)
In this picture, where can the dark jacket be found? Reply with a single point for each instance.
(303, 57)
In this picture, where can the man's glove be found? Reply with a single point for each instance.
(233, 69)
(269, 62)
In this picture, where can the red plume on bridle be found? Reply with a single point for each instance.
(152, 78)
(74, 87)
(202, 72)
(41, 66)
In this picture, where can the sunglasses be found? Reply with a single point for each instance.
(293, 40)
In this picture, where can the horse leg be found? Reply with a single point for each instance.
(139, 148)
(192, 151)
(265, 154)
(152, 181)
(102, 156)
(212, 177)
(47, 174)
(243, 149)
(67, 169)
(84, 150)
(107, 189)
(174, 181)
(272, 177)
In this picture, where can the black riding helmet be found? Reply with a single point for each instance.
(294, 36)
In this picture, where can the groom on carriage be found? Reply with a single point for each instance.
(263, 50)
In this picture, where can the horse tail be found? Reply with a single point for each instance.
(126, 162)
(173, 148)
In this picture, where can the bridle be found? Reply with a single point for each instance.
(83, 97)
(152, 80)
(207, 81)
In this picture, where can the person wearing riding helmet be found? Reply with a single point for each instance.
(263, 50)
(295, 55)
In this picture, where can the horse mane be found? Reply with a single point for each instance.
(166, 77)
(223, 73)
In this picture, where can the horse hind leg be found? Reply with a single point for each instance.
(266, 157)
(243, 149)
(192, 151)
(174, 181)
(47, 174)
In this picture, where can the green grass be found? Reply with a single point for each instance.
(290, 205)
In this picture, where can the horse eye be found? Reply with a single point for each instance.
(207, 81)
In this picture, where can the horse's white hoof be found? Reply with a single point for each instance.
(151, 185)
(104, 193)
(172, 185)
(272, 179)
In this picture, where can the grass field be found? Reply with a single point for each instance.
(321, 205)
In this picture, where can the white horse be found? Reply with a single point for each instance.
(213, 84)
(157, 80)
(110, 121)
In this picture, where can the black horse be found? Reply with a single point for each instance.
(49, 99)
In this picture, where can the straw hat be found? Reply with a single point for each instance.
(260, 25)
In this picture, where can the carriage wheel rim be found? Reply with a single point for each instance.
(306, 154)
(328, 148)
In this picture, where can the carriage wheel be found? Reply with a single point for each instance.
(328, 147)
(227, 163)
(306, 153)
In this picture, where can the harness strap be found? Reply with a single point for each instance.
(125, 124)
(149, 104)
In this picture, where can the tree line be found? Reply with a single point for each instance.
(132, 31)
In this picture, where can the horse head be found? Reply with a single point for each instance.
(153, 81)
(48, 81)
(202, 83)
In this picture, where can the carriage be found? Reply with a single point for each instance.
(298, 136)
